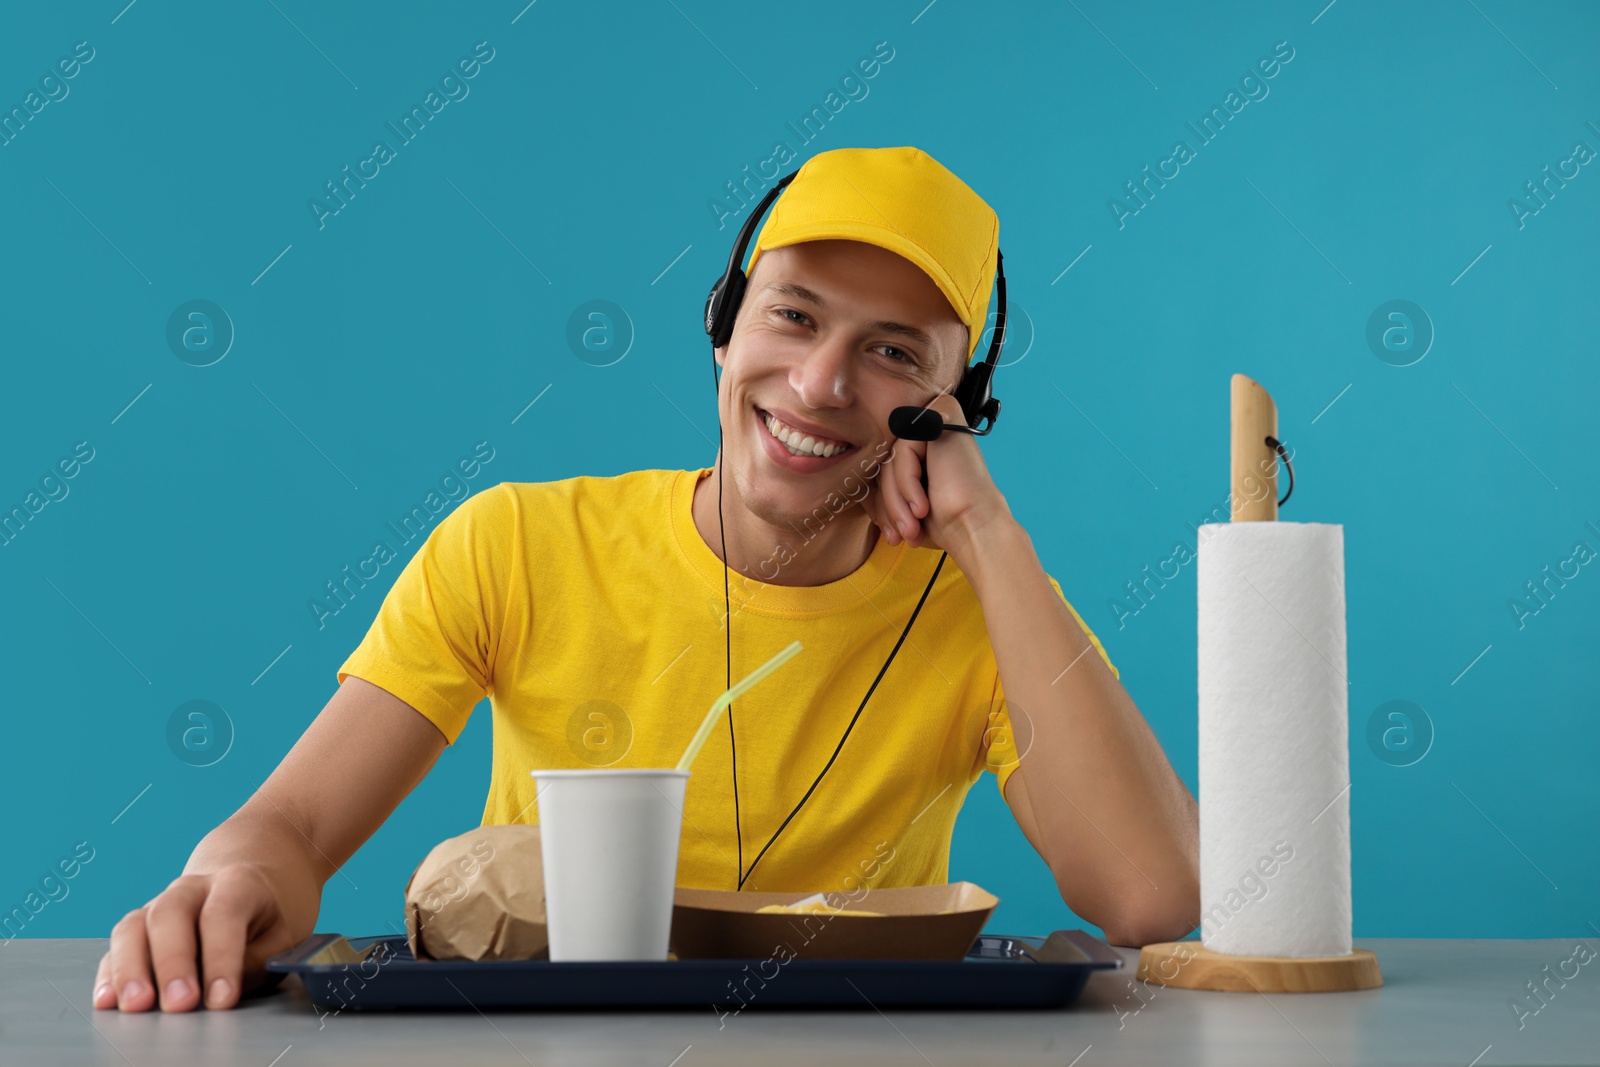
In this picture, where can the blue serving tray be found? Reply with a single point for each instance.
(998, 972)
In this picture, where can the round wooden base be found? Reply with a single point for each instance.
(1190, 965)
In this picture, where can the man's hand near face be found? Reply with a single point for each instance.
(958, 500)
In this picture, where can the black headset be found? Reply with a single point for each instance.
(978, 405)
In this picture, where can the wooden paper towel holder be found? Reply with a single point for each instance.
(1189, 964)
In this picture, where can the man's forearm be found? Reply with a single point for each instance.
(1115, 823)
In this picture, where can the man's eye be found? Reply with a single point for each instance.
(902, 356)
(799, 318)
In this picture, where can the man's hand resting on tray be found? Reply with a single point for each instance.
(229, 923)
(253, 886)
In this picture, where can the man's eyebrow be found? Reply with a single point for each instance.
(800, 292)
(903, 330)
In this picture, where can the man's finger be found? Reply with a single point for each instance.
(901, 520)
(907, 471)
(872, 504)
(170, 920)
(911, 486)
(130, 963)
(224, 930)
(889, 506)
(105, 994)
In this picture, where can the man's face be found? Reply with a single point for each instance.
(831, 337)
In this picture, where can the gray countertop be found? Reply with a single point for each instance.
(1444, 1001)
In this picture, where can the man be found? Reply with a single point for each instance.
(591, 611)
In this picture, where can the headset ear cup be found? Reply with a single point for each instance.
(975, 393)
(713, 303)
(728, 309)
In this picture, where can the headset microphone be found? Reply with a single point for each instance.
(924, 424)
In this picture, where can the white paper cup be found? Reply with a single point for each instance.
(609, 839)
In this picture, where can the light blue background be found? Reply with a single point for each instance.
(416, 324)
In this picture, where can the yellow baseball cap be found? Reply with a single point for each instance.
(901, 199)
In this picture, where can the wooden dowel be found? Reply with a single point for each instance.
(1255, 464)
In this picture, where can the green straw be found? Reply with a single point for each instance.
(739, 690)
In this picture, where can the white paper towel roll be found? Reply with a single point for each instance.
(1274, 737)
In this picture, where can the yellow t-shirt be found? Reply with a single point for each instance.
(590, 611)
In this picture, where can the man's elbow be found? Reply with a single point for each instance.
(1136, 919)
(1138, 930)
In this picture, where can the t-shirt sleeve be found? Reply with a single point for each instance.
(999, 751)
(436, 636)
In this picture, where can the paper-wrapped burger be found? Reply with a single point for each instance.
(479, 896)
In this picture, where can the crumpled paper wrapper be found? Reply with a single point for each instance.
(479, 896)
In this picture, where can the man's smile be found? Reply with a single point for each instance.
(798, 445)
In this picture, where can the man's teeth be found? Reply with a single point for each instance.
(800, 444)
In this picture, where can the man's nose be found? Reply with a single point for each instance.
(823, 378)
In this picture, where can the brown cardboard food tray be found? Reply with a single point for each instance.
(926, 922)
